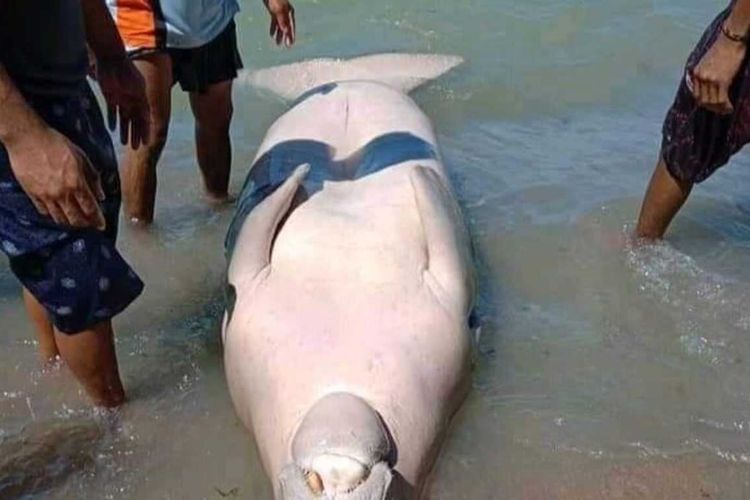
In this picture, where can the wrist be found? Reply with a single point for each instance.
(32, 133)
(735, 39)
(18, 121)
(21, 125)
(736, 30)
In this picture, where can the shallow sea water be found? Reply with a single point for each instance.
(605, 369)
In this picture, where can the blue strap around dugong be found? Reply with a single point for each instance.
(274, 166)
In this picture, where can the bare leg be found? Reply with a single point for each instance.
(664, 198)
(139, 165)
(213, 115)
(43, 326)
(90, 355)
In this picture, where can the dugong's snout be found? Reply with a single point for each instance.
(341, 450)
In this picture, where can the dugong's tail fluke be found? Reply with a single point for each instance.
(341, 450)
(401, 71)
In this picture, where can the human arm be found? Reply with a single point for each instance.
(712, 77)
(122, 85)
(283, 27)
(52, 171)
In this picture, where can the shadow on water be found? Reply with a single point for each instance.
(66, 450)
(176, 348)
(44, 454)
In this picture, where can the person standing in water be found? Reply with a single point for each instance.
(194, 43)
(59, 186)
(708, 122)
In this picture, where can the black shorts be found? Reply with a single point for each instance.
(215, 62)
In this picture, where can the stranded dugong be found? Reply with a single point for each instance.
(350, 283)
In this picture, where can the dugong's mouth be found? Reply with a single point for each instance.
(335, 474)
(338, 480)
(340, 451)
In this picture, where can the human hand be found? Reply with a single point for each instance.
(282, 21)
(124, 91)
(58, 177)
(711, 79)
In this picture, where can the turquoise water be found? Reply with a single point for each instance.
(604, 371)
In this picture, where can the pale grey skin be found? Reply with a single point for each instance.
(365, 290)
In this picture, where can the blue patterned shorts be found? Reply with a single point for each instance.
(77, 275)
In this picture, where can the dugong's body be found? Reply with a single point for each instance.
(346, 340)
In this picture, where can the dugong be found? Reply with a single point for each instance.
(350, 283)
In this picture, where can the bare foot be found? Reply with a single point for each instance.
(140, 222)
(218, 200)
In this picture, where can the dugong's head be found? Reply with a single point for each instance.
(341, 450)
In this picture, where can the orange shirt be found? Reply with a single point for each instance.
(156, 24)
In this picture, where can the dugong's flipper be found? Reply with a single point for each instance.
(341, 450)
(259, 228)
(45, 454)
(448, 241)
(255, 235)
